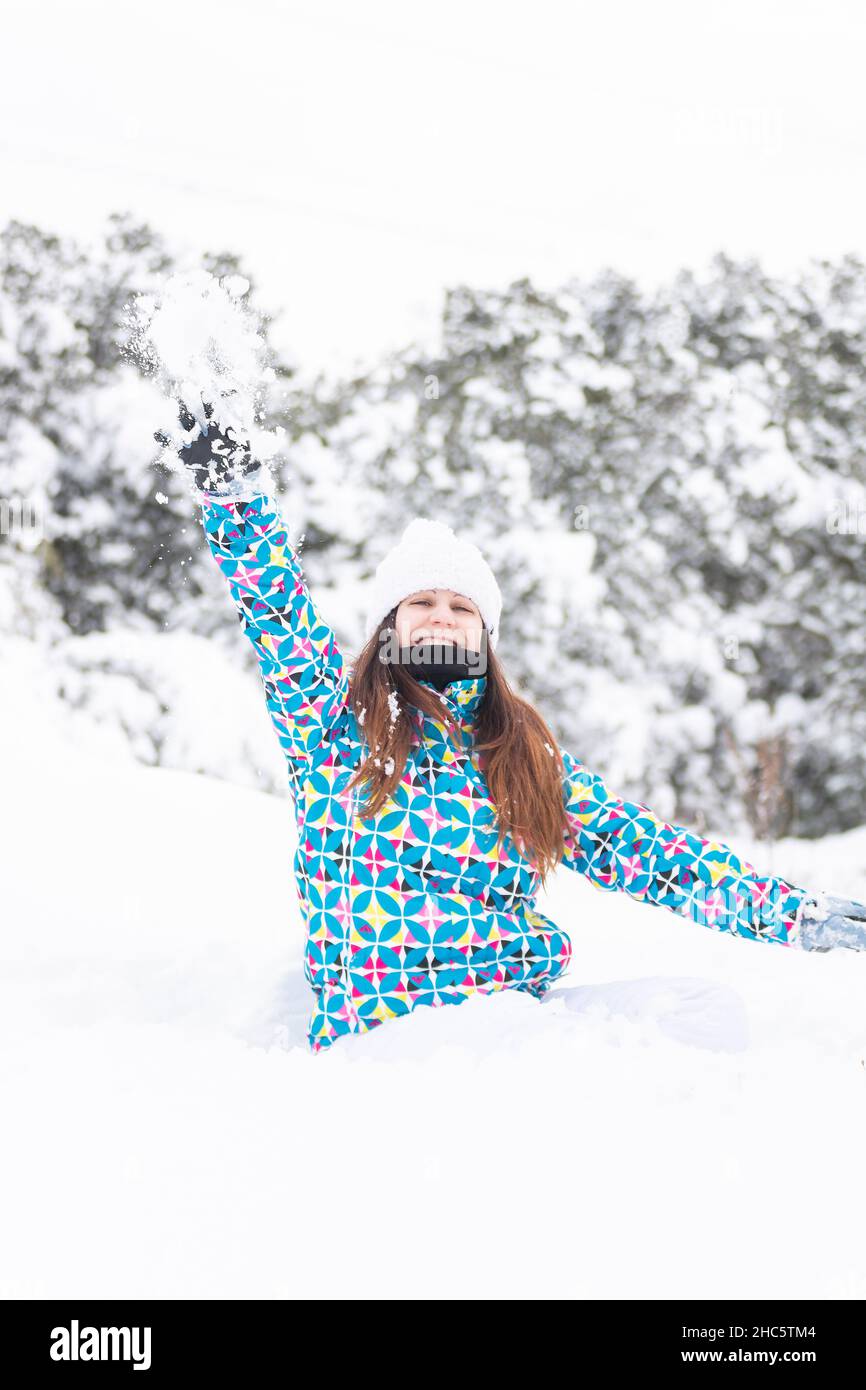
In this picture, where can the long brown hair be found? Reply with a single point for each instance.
(516, 751)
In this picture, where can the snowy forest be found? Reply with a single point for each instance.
(670, 487)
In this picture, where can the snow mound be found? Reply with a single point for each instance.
(666, 1123)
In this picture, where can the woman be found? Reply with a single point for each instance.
(431, 801)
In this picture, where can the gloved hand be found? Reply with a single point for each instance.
(217, 461)
(828, 922)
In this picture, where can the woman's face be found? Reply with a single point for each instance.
(439, 613)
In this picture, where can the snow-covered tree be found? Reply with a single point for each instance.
(670, 486)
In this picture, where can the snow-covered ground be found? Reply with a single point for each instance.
(696, 1131)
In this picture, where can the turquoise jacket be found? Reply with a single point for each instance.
(415, 906)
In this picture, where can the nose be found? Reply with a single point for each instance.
(442, 615)
(440, 618)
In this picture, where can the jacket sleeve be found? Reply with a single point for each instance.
(622, 845)
(302, 668)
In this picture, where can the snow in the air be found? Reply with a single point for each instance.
(205, 347)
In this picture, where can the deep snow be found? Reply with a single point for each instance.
(169, 1135)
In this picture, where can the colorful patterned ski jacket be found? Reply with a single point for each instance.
(415, 906)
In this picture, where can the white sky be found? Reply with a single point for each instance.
(363, 157)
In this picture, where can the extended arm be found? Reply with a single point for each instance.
(302, 668)
(622, 845)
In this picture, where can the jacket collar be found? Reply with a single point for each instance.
(462, 698)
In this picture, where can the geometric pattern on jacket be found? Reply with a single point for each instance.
(415, 906)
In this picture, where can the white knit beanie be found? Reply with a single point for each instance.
(428, 555)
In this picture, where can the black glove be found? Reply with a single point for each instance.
(828, 922)
(215, 460)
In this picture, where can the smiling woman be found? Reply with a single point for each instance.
(426, 894)
(439, 613)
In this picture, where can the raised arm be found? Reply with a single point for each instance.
(301, 666)
(622, 845)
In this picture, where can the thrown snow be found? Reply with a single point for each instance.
(683, 1117)
(202, 344)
